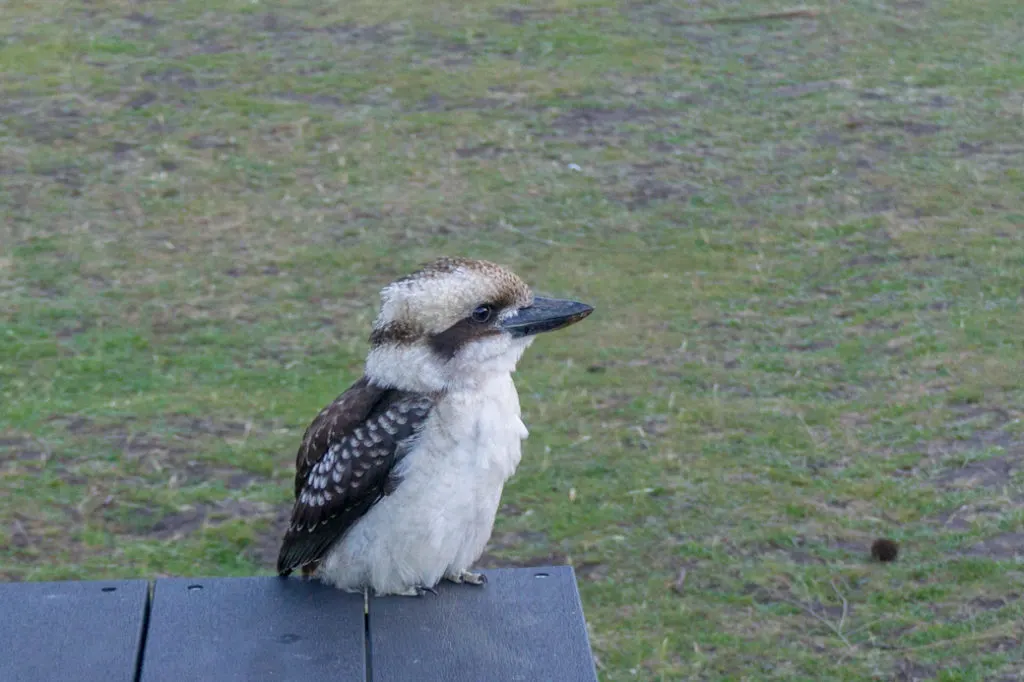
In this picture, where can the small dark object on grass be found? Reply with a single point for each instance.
(885, 550)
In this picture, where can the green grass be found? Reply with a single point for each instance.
(804, 240)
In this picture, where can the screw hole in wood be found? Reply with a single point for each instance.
(193, 588)
(109, 589)
(540, 575)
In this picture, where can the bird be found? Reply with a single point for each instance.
(399, 479)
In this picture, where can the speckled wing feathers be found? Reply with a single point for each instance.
(344, 465)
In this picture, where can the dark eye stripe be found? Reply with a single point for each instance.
(394, 332)
(447, 343)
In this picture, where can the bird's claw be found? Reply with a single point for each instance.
(423, 589)
(469, 578)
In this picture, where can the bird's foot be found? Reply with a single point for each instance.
(414, 591)
(467, 577)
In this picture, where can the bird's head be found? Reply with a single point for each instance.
(457, 321)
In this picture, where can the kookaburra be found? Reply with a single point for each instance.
(398, 480)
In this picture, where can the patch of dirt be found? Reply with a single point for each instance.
(968, 516)
(263, 551)
(256, 270)
(993, 472)
(271, 22)
(517, 540)
(910, 671)
(989, 415)
(912, 128)
(69, 176)
(591, 571)
(881, 325)
(142, 100)
(588, 571)
(870, 259)
(36, 540)
(188, 521)
(1000, 547)
(954, 520)
(82, 425)
(435, 103)
(520, 15)
(802, 89)
(811, 346)
(376, 34)
(831, 612)
(211, 142)
(797, 556)
(985, 427)
(857, 547)
(801, 552)
(143, 19)
(941, 102)
(175, 78)
(225, 429)
(171, 453)
(514, 542)
(196, 473)
(178, 524)
(604, 121)
(21, 449)
(553, 558)
(1016, 675)
(206, 37)
(508, 510)
(876, 96)
(12, 441)
(1000, 645)
(760, 594)
(53, 124)
(768, 595)
(293, 41)
(132, 521)
(915, 128)
(485, 151)
(969, 149)
(993, 603)
(991, 156)
(648, 189)
(315, 99)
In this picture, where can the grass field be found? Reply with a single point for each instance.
(804, 238)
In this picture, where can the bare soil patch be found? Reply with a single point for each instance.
(183, 523)
(168, 449)
(1006, 546)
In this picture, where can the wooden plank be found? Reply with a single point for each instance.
(248, 629)
(83, 631)
(524, 625)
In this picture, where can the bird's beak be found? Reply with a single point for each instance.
(545, 315)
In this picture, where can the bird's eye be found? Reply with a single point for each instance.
(483, 313)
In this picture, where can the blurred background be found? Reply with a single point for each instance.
(801, 228)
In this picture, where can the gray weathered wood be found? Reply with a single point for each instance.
(524, 625)
(251, 629)
(82, 631)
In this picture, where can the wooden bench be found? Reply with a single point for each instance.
(525, 625)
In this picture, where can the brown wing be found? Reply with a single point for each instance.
(344, 465)
(333, 423)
